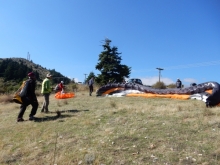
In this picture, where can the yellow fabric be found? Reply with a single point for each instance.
(17, 99)
(151, 95)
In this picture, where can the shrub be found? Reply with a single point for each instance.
(74, 87)
(159, 85)
(171, 86)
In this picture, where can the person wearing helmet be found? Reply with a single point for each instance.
(61, 86)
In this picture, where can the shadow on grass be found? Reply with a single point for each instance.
(73, 111)
(59, 115)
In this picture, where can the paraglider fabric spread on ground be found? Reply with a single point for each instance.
(60, 95)
(209, 92)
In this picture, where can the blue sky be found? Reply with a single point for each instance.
(180, 36)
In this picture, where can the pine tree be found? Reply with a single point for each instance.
(110, 65)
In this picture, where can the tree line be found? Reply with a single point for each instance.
(11, 70)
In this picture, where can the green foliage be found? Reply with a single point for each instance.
(171, 86)
(73, 80)
(159, 85)
(11, 70)
(110, 65)
(58, 77)
(9, 86)
(74, 87)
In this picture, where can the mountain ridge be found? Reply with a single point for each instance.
(28, 65)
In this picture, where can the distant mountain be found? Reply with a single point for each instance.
(17, 69)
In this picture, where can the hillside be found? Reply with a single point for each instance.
(14, 70)
(35, 67)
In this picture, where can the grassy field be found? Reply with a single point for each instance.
(111, 131)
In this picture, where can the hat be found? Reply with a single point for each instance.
(62, 82)
(49, 75)
(31, 74)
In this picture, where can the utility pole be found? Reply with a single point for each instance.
(85, 78)
(159, 72)
(28, 56)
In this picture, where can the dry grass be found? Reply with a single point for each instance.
(5, 99)
(122, 131)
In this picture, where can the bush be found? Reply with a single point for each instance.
(74, 87)
(159, 85)
(171, 86)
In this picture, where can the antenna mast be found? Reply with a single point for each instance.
(28, 56)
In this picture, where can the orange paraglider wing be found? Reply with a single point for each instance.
(60, 95)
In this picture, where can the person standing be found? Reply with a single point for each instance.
(46, 90)
(90, 83)
(28, 97)
(178, 83)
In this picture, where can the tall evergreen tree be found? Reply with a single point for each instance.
(110, 65)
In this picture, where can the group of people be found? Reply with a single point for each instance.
(28, 96)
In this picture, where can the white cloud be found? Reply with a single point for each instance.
(75, 79)
(167, 81)
(153, 80)
(189, 80)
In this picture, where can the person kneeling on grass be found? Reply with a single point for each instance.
(28, 97)
(59, 87)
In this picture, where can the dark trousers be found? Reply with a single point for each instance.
(90, 89)
(23, 107)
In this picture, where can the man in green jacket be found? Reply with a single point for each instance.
(46, 90)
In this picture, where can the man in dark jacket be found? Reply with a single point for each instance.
(90, 83)
(178, 83)
(28, 97)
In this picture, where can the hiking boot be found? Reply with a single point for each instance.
(20, 119)
(31, 118)
(47, 111)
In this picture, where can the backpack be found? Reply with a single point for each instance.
(20, 92)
